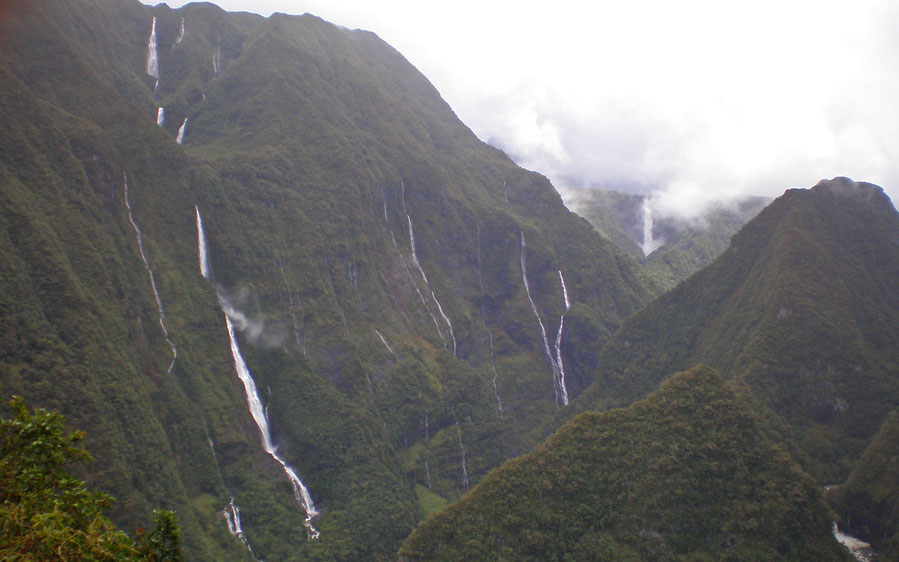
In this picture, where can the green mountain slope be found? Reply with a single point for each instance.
(801, 307)
(687, 473)
(393, 373)
(680, 246)
(868, 501)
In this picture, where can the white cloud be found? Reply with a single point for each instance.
(696, 99)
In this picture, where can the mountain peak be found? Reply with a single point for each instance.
(842, 186)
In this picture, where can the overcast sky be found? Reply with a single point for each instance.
(687, 100)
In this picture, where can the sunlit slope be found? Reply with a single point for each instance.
(686, 473)
(802, 307)
(394, 373)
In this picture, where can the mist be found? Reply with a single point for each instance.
(695, 102)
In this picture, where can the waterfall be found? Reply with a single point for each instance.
(447, 320)
(152, 55)
(180, 34)
(180, 138)
(414, 284)
(346, 326)
(201, 246)
(428, 286)
(258, 413)
(216, 61)
(860, 549)
(160, 116)
(648, 242)
(499, 403)
(293, 308)
(143, 257)
(557, 376)
(387, 345)
(562, 386)
(465, 482)
(232, 518)
(384, 199)
(300, 492)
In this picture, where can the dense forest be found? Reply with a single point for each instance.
(291, 298)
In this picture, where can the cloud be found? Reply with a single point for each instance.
(697, 100)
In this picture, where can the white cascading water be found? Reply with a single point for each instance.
(561, 397)
(216, 61)
(428, 285)
(180, 138)
(152, 54)
(859, 548)
(258, 413)
(180, 34)
(160, 116)
(232, 518)
(414, 284)
(648, 243)
(300, 492)
(562, 386)
(143, 257)
(465, 483)
(201, 246)
(387, 345)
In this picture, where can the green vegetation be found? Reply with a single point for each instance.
(686, 245)
(688, 473)
(46, 513)
(304, 152)
(868, 503)
(801, 308)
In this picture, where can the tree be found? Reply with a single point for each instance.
(47, 513)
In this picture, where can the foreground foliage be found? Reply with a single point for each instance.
(46, 513)
(686, 473)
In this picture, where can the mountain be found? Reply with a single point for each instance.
(669, 248)
(868, 501)
(686, 473)
(284, 290)
(801, 308)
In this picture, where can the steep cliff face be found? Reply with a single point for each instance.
(687, 472)
(412, 306)
(801, 308)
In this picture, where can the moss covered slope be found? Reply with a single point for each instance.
(686, 473)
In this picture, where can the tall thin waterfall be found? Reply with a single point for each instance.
(293, 309)
(180, 138)
(465, 482)
(562, 386)
(427, 285)
(201, 246)
(387, 345)
(180, 34)
(143, 257)
(499, 403)
(414, 284)
(258, 413)
(216, 61)
(232, 518)
(648, 244)
(152, 55)
(300, 492)
(160, 116)
(558, 377)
